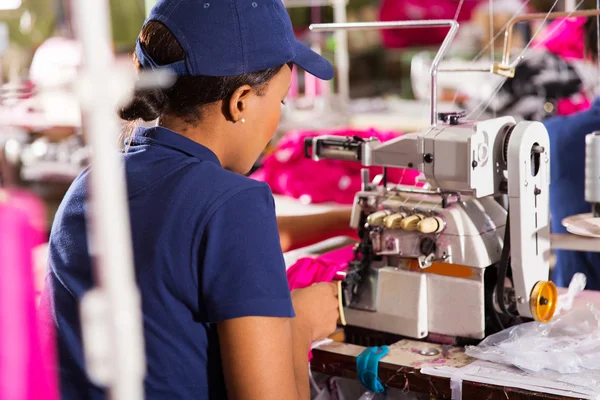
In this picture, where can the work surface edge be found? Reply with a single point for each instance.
(410, 379)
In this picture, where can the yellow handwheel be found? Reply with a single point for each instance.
(542, 303)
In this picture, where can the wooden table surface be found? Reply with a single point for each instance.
(401, 367)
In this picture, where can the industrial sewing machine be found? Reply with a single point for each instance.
(447, 261)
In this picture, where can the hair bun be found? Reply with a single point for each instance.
(146, 104)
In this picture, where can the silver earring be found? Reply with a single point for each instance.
(242, 120)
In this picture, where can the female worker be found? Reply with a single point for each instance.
(219, 319)
(567, 174)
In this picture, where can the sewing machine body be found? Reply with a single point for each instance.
(426, 283)
(435, 260)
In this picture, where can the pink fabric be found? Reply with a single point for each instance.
(35, 209)
(308, 271)
(23, 362)
(574, 104)
(288, 172)
(36, 221)
(564, 37)
(403, 10)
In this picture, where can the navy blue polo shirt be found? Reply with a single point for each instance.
(567, 189)
(206, 249)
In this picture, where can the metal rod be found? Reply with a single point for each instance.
(508, 34)
(117, 310)
(405, 25)
(341, 55)
(466, 69)
(598, 38)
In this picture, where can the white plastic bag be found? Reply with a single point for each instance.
(566, 349)
(576, 286)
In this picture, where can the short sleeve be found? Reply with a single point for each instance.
(242, 271)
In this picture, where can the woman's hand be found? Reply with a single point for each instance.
(316, 310)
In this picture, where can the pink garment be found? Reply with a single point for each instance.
(288, 172)
(564, 37)
(308, 271)
(404, 10)
(37, 233)
(574, 104)
(24, 372)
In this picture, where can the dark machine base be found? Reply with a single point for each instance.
(369, 338)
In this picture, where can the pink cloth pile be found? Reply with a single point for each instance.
(288, 172)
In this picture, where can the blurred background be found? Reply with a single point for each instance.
(382, 89)
(42, 148)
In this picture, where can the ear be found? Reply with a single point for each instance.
(238, 103)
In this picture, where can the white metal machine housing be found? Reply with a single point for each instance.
(437, 260)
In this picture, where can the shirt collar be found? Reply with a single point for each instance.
(168, 138)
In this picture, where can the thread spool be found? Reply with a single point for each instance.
(431, 225)
(592, 167)
(411, 223)
(393, 221)
(377, 218)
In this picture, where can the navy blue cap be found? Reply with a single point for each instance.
(232, 37)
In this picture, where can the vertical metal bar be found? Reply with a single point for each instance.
(598, 38)
(492, 39)
(341, 55)
(110, 237)
(404, 25)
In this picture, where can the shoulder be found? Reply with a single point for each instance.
(75, 198)
(581, 123)
(226, 190)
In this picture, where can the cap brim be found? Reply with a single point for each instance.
(312, 62)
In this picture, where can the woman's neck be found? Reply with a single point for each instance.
(207, 132)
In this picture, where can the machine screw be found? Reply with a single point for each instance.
(451, 118)
(543, 301)
(520, 300)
